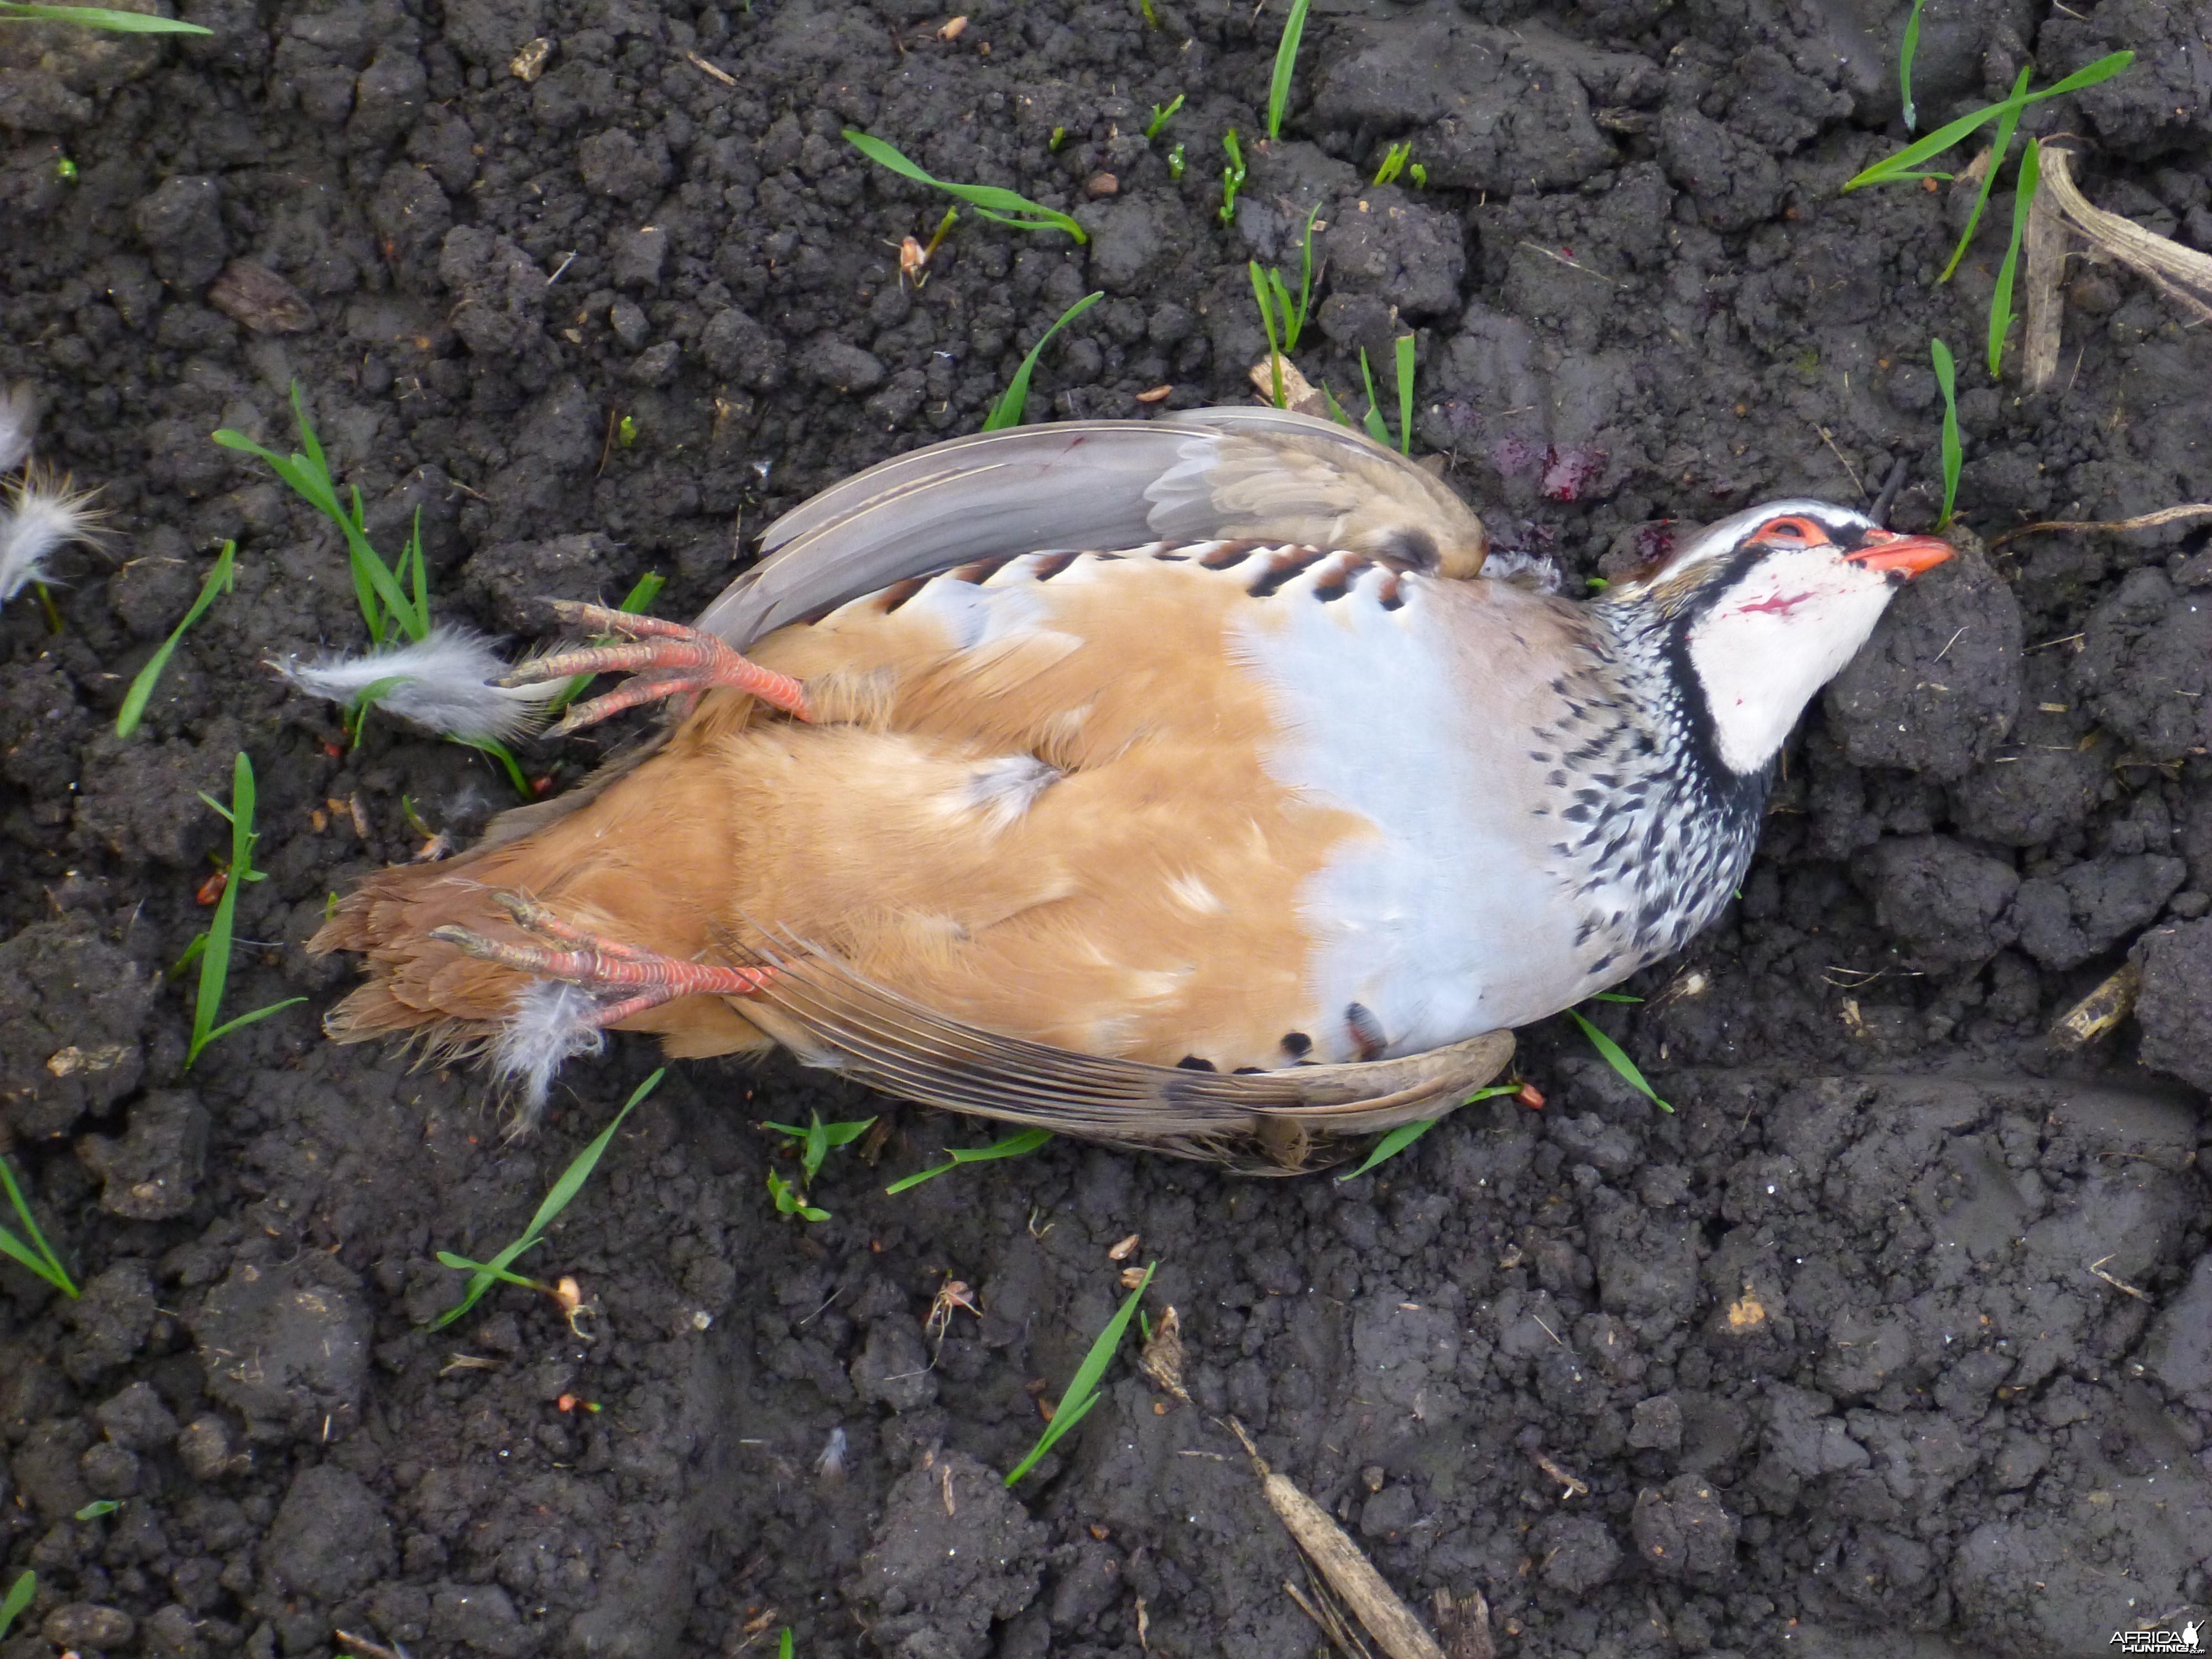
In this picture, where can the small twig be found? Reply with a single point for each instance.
(1575, 1486)
(704, 67)
(1857, 484)
(367, 1649)
(2141, 521)
(1953, 640)
(2097, 1268)
(1549, 254)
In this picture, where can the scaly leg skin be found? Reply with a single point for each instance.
(601, 966)
(666, 660)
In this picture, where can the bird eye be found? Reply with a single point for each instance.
(1796, 532)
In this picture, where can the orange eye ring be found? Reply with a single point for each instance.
(1791, 532)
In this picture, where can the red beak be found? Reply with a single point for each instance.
(1903, 556)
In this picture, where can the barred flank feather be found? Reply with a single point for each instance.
(442, 681)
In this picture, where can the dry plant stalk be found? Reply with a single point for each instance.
(2141, 521)
(2182, 273)
(2101, 1011)
(1347, 1571)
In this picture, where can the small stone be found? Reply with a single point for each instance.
(203, 1447)
(1102, 184)
(88, 1625)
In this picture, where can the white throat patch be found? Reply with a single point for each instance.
(1780, 632)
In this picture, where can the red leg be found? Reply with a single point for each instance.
(601, 966)
(666, 659)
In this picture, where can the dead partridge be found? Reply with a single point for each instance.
(1256, 825)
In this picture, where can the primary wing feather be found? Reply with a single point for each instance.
(1097, 484)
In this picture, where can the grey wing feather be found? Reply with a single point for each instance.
(1265, 1122)
(1094, 484)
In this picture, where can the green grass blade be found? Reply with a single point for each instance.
(1013, 404)
(1377, 427)
(1617, 1057)
(1904, 57)
(221, 579)
(2023, 199)
(1893, 167)
(215, 959)
(1013, 1145)
(1287, 62)
(38, 1255)
(1268, 325)
(783, 1644)
(990, 201)
(230, 1025)
(1161, 117)
(498, 750)
(97, 17)
(1083, 1390)
(1947, 378)
(1406, 1133)
(1405, 394)
(556, 1200)
(2000, 146)
(460, 1263)
(21, 1595)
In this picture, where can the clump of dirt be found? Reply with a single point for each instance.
(1889, 1334)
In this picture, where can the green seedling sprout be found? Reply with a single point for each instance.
(1901, 165)
(214, 943)
(2031, 175)
(1059, 137)
(789, 1200)
(1232, 176)
(387, 606)
(1083, 1391)
(783, 1644)
(1151, 17)
(1904, 65)
(1013, 403)
(1947, 378)
(1175, 165)
(1406, 1133)
(1286, 60)
(637, 601)
(1013, 1145)
(1003, 206)
(816, 1142)
(32, 1251)
(1162, 114)
(1418, 175)
(95, 17)
(1393, 162)
(483, 1274)
(221, 579)
(1617, 1057)
(1998, 149)
(21, 1594)
(95, 1509)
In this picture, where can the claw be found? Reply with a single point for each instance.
(666, 660)
(600, 965)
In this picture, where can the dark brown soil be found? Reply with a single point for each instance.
(1893, 1337)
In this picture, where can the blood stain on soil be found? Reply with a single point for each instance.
(1890, 1338)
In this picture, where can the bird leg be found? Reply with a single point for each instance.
(600, 966)
(664, 658)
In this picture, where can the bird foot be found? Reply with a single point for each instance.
(665, 659)
(636, 979)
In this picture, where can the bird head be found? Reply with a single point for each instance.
(1759, 611)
